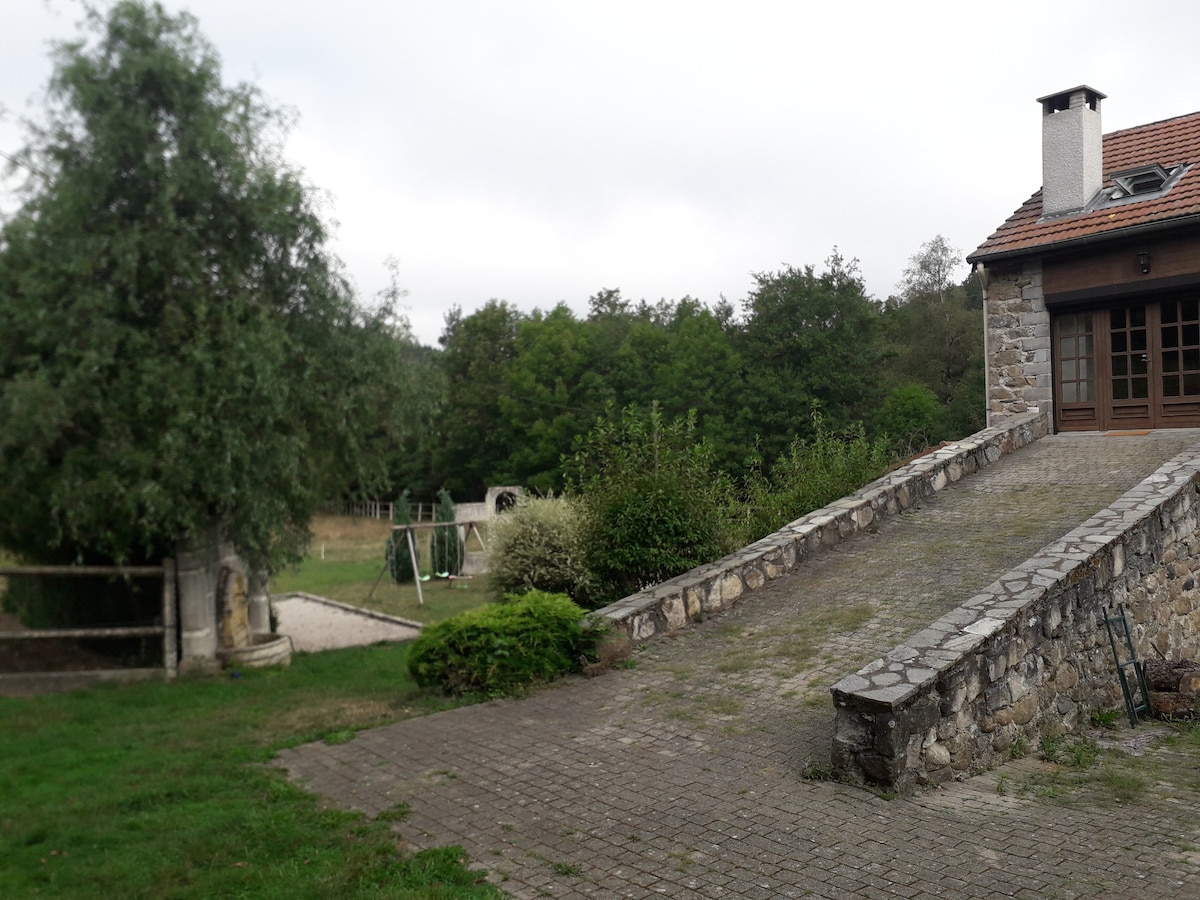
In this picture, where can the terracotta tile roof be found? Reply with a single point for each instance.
(1168, 143)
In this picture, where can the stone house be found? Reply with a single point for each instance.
(1092, 287)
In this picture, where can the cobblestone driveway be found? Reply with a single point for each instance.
(682, 776)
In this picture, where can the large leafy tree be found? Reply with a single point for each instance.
(545, 404)
(930, 272)
(808, 336)
(935, 334)
(179, 349)
(477, 356)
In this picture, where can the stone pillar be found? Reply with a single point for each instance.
(195, 556)
(260, 602)
(234, 632)
(200, 560)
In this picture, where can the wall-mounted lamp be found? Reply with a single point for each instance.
(1144, 261)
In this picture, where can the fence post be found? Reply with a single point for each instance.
(170, 656)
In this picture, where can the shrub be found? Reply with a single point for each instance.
(445, 547)
(654, 505)
(399, 560)
(912, 416)
(538, 546)
(500, 649)
(814, 473)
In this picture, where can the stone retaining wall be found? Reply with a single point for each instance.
(1030, 654)
(708, 589)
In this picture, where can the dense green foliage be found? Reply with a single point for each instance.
(179, 348)
(808, 337)
(446, 549)
(502, 648)
(743, 453)
(538, 545)
(655, 505)
(813, 472)
(911, 416)
(164, 791)
(522, 387)
(49, 602)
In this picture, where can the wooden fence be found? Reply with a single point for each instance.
(166, 630)
(381, 509)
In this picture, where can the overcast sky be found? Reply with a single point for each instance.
(538, 152)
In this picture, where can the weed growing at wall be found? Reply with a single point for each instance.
(813, 473)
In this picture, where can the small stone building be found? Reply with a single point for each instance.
(1092, 287)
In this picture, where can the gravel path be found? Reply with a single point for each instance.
(315, 623)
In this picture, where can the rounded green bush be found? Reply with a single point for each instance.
(500, 649)
(538, 546)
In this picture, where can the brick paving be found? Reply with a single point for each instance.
(683, 775)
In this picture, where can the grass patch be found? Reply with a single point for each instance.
(740, 661)
(1107, 719)
(1076, 751)
(166, 790)
(1186, 735)
(397, 813)
(1085, 773)
(345, 557)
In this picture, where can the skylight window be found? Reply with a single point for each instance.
(1142, 180)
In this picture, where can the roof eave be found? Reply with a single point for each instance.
(1087, 239)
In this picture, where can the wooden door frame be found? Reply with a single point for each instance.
(1177, 411)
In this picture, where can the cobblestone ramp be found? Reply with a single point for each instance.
(683, 775)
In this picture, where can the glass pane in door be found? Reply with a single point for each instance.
(1076, 370)
(1180, 335)
(1130, 355)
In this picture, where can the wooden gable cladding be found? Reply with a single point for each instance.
(1114, 270)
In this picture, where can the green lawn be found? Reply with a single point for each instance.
(350, 581)
(345, 559)
(166, 790)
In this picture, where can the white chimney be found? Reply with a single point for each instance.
(1072, 153)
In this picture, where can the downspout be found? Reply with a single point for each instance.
(981, 274)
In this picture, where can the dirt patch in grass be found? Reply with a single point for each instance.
(330, 715)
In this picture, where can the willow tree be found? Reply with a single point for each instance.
(179, 350)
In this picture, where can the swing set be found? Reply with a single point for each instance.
(465, 528)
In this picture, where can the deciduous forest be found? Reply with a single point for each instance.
(508, 393)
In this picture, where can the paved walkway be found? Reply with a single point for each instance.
(683, 775)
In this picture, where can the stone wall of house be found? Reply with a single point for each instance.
(708, 589)
(1018, 343)
(1031, 653)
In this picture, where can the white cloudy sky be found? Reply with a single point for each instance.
(540, 150)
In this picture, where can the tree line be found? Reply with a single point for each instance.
(508, 393)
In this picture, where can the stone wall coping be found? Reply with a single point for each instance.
(911, 668)
(674, 603)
